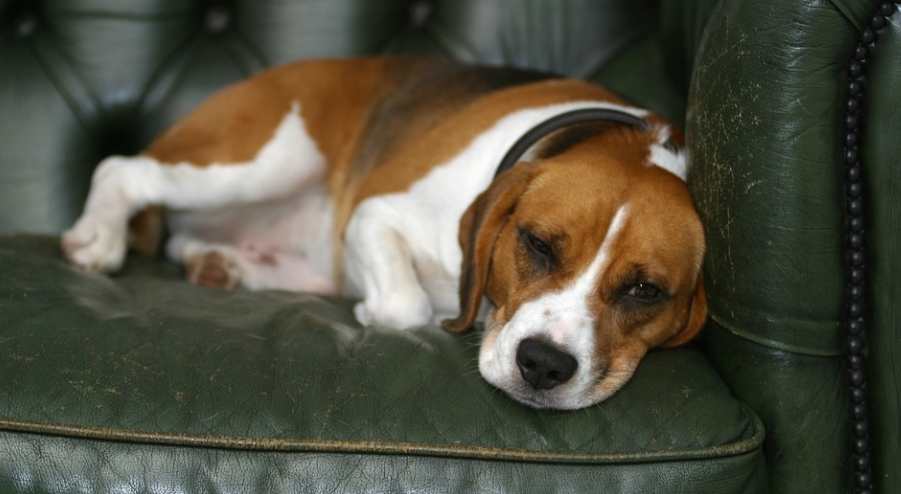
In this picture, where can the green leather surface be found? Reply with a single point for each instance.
(767, 170)
(39, 187)
(58, 465)
(857, 12)
(803, 404)
(573, 37)
(682, 25)
(150, 359)
(639, 74)
(883, 175)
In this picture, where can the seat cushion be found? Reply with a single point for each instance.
(142, 381)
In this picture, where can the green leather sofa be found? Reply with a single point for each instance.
(141, 382)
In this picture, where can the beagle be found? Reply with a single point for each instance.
(379, 178)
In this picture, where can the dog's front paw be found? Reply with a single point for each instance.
(396, 312)
(95, 245)
(362, 314)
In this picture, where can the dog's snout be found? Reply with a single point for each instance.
(544, 366)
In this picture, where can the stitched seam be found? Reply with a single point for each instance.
(740, 447)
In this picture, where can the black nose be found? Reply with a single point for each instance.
(544, 366)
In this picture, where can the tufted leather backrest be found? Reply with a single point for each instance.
(82, 79)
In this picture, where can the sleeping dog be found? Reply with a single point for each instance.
(434, 192)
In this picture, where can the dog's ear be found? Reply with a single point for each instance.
(479, 229)
(696, 318)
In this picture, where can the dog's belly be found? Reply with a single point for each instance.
(284, 244)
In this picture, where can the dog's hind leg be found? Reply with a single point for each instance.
(97, 241)
(123, 186)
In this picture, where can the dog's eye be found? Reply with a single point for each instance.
(537, 245)
(645, 292)
(540, 252)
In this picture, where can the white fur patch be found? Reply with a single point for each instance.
(668, 158)
(287, 162)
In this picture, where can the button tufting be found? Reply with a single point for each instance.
(420, 11)
(217, 19)
(26, 25)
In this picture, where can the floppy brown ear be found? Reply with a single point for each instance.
(479, 228)
(695, 320)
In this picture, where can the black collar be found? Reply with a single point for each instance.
(558, 122)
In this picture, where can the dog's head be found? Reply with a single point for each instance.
(590, 257)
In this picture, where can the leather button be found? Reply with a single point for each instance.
(217, 19)
(26, 25)
(420, 11)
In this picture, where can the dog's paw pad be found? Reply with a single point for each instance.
(94, 245)
(213, 269)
